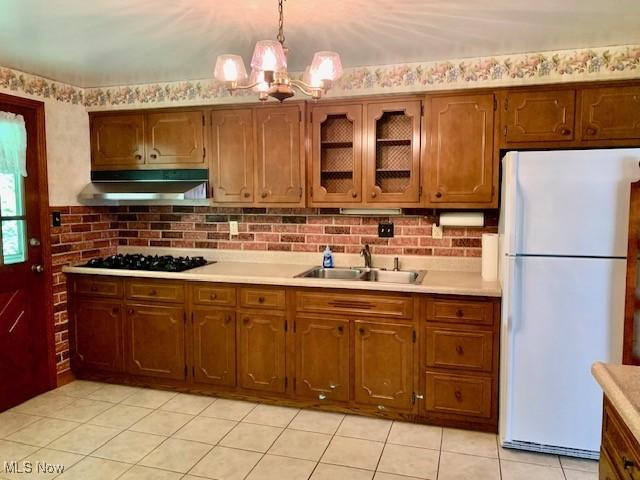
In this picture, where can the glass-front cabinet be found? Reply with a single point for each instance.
(336, 158)
(393, 152)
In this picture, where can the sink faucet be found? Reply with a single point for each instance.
(366, 253)
(396, 264)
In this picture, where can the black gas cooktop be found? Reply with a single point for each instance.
(163, 263)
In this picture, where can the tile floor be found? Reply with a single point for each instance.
(103, 432)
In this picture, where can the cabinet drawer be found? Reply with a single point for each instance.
(262, 298)
(160, 291)
(468, 349)
(97, 286)
(459, 311)
(213, 295)
(397, 307)
(458, 394)
(619, 443)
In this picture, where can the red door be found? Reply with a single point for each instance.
(27, 359)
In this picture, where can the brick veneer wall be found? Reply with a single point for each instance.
(89, 232)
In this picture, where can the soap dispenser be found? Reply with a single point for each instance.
(327, 258)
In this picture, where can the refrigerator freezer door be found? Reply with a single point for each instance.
(565, 314)
(573, 203)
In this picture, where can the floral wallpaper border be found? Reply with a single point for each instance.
(616, 62)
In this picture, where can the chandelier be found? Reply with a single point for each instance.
(269, 76)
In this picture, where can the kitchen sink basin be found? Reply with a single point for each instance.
(407, 277)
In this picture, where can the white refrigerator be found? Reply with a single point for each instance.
(563, 244)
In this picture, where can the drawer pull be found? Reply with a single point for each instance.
(460, 350)
(361, 330)
(332, 386)
(628, 464)
(213, 296)
(381, 407)
(565, 131)
(459, 313)
(350, 304)
(115, 310)
(153, 292)
(458, 394)
(260, 299)
(340, 329)
(591, 131)
(131, 311)
(419, 396)
(322, 396)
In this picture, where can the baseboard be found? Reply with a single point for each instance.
(65, 377)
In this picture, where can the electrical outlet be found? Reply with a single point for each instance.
(233, 227)
(436, 231)
(56, 219)
(385, 230)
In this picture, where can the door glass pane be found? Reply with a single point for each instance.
(13, 241)
(12, 218)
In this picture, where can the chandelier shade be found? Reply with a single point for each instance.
(269, 56)
(326, 66)
(230, 68)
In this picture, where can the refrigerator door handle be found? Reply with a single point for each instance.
(511, 202)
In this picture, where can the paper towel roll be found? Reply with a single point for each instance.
(490, 256)
(462, 219)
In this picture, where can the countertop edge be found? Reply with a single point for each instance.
(618, 398)
(494, 292)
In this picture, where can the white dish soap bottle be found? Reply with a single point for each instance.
(327, 258)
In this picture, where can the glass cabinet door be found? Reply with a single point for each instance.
(393, 173)
(336, 154)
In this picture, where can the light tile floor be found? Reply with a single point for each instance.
(99, 431)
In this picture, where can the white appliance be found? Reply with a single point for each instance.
(563, 246)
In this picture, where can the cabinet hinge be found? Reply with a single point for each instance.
(421, 109)
(506, 104)
(420, 191)
(286, 382)
(495, 103)
(413, 398)
(191, 317)
(300, 115)
(203, 120)
(185, 317)
(204, 152)
(294, 331)
(193, 371)
(311, 191)
(294, 383)
(504, 131)
(414, 336)
(286, 326)
(185, 371)
(300, 192)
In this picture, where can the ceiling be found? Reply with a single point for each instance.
(91, 43)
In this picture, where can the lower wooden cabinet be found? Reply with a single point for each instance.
(620, 451)
(214, 346)
(262, 351)
(466, 395)
(97, 335)
(322, 358)
(155, 344)
(384, 366)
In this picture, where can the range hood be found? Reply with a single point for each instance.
(146, 187)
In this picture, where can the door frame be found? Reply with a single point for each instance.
(48, 377)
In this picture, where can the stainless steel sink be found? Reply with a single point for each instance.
(333, 273)
(407, 277)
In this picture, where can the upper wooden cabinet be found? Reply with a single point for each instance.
(459, 170)
(393, 152)
(122, 141)
(336, 154)
(117, 141)
(610, 113)
(279, 171)
(232, 156)
(538, 116)
(175, 139)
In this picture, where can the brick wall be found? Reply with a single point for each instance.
(89, 232)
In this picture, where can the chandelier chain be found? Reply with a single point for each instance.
(280, 36)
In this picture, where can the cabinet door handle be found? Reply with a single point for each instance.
(322, 396)
(591, 131)
(247, 194)
(354, 194)
(138, 157)
(246, 321)
(361, 330)
(565, 131)
(459, 313)
(458, 394)
(115, 310)
(213, 296)
(438, 194)
(227, 319)
(131, 311)
(460, 350)
(340, 329)
(153, 155)
(153, 292)
(381, 407)
(260, 299)
(373, 194)
(628, 464)
(264, 194)
(332, 386)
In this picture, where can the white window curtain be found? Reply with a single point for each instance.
(13, 144)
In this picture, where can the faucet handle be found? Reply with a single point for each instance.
(396, 264)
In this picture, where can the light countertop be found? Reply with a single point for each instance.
(621, 385)
(435, 281)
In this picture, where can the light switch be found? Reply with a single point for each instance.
(436, 231)
(233, 227)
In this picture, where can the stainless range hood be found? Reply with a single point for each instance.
(146, 187)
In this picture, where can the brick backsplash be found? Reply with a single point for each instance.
(89, 232)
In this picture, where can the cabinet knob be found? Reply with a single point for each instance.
(340, 329)
(131, 311)
(628, 464)
(264, 194)
(260, 299)
(565, 131)
(227, 318)
(459, 313)
(361, 330)
(591, 131)
(138, 157)
(381, 407)
(246, 321)
(354, 194)
(213, 296)
(460, 350)
(153, 292)
(247, 194)
(332, 386)
(115, 310)
(419, 396)
(153, 155)
(458, 394)
(322, 396)
(438, 194)
(374, 194)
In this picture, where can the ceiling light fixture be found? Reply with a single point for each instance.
(269, 76)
